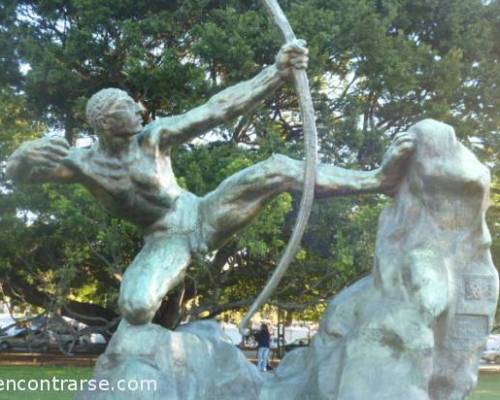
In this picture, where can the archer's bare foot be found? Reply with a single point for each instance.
(395, 162)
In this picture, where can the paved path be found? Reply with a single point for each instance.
(88, 360)
(52, 358)
(489, 368)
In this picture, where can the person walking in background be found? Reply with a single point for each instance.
(263, 338)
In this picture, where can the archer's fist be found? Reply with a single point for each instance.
(292, 55)
(36, 158)
(46, 152)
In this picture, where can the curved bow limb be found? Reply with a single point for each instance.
(311, 138)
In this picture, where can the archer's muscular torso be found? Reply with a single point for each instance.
(137, 183)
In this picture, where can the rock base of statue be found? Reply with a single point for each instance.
(195, 362)
(413, 330)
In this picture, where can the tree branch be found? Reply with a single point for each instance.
(90, 314)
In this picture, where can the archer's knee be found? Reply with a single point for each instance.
(277, 167)
(283, 170)
(138, 307)
(278, 162)
(276, 174)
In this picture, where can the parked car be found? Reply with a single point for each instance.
(65, 340)
(275, 343)
(25, 339)
(297, 343)
(491, 356)
(248, 341)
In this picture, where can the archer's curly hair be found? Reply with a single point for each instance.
(101, 102)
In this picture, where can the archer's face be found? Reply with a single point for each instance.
(124, 118)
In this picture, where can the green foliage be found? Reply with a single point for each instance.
(376, 67)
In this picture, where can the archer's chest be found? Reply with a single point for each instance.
(138, 185)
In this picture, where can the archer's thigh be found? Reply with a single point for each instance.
(159, 267)
(240, 197)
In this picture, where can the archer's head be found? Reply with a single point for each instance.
(113, 113)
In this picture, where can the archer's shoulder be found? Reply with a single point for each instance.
(154, 133)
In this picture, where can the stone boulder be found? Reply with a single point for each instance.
(195, 362)
(416, 327)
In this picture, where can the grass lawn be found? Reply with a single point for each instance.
(488, 389)
(39, 373)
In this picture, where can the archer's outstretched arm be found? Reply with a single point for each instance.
(233, 101)
(40, 161)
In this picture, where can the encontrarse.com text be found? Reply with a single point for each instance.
(77, 385)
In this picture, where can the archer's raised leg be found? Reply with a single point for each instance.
(159, 267)
(240, 197)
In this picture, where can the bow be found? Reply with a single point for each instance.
(310, 144)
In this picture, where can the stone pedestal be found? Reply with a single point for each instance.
(195, 362)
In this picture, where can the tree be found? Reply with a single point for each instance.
(376, 68)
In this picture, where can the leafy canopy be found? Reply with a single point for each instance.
(377, 66)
